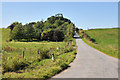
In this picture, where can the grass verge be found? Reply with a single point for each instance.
(106, 41)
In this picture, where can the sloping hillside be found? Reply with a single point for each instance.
(106, 40)
(5, 34)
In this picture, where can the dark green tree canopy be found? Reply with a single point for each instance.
(55, 28)
(13, 25)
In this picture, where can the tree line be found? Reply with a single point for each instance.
(55, 28)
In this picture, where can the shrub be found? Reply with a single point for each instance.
(20, 64)
(13, 65)
(5, 67)
(10, 39)
(64, 66)
(68, 49)
(44, 53)
(58, 35)
(93, 40)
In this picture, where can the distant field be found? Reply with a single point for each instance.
(106, 40)
(37, 61)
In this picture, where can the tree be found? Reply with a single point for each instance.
(13, 25)
(59, 15)
(58, 22)
(70, 31)
(37, 34)
(38, 29)
(17, 32)
(29, 31)
(51, 20)
(77, 30)
(55, 28)
(45, 35)
(39, 24)
(58, 35)
(52, 35)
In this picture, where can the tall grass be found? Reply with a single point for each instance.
(37, 61)
(34, 59)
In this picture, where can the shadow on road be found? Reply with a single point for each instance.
(77, 37)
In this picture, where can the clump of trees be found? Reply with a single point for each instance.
(55, 28)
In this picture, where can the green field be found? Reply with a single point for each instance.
(106, 40)
(37, 60)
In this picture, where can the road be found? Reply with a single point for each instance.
(90, 63)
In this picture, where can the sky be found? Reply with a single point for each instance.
(83, 14)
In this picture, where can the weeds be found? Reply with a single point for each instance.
(37, 62)
(37, 57)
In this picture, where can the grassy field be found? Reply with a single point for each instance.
(106, 40)
(34, 59)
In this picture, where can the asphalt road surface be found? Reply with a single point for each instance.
(90, 63)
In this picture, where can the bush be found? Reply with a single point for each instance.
(93, 40)
(68, 49)
(5, 67)
(14, 65)
(58, 35)
(64, 66)
(10, 39)
(44, 53)
(52, 35)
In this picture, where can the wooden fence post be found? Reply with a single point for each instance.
(38, 51)
(23, 54)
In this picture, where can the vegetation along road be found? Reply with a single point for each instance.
(90, 63)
